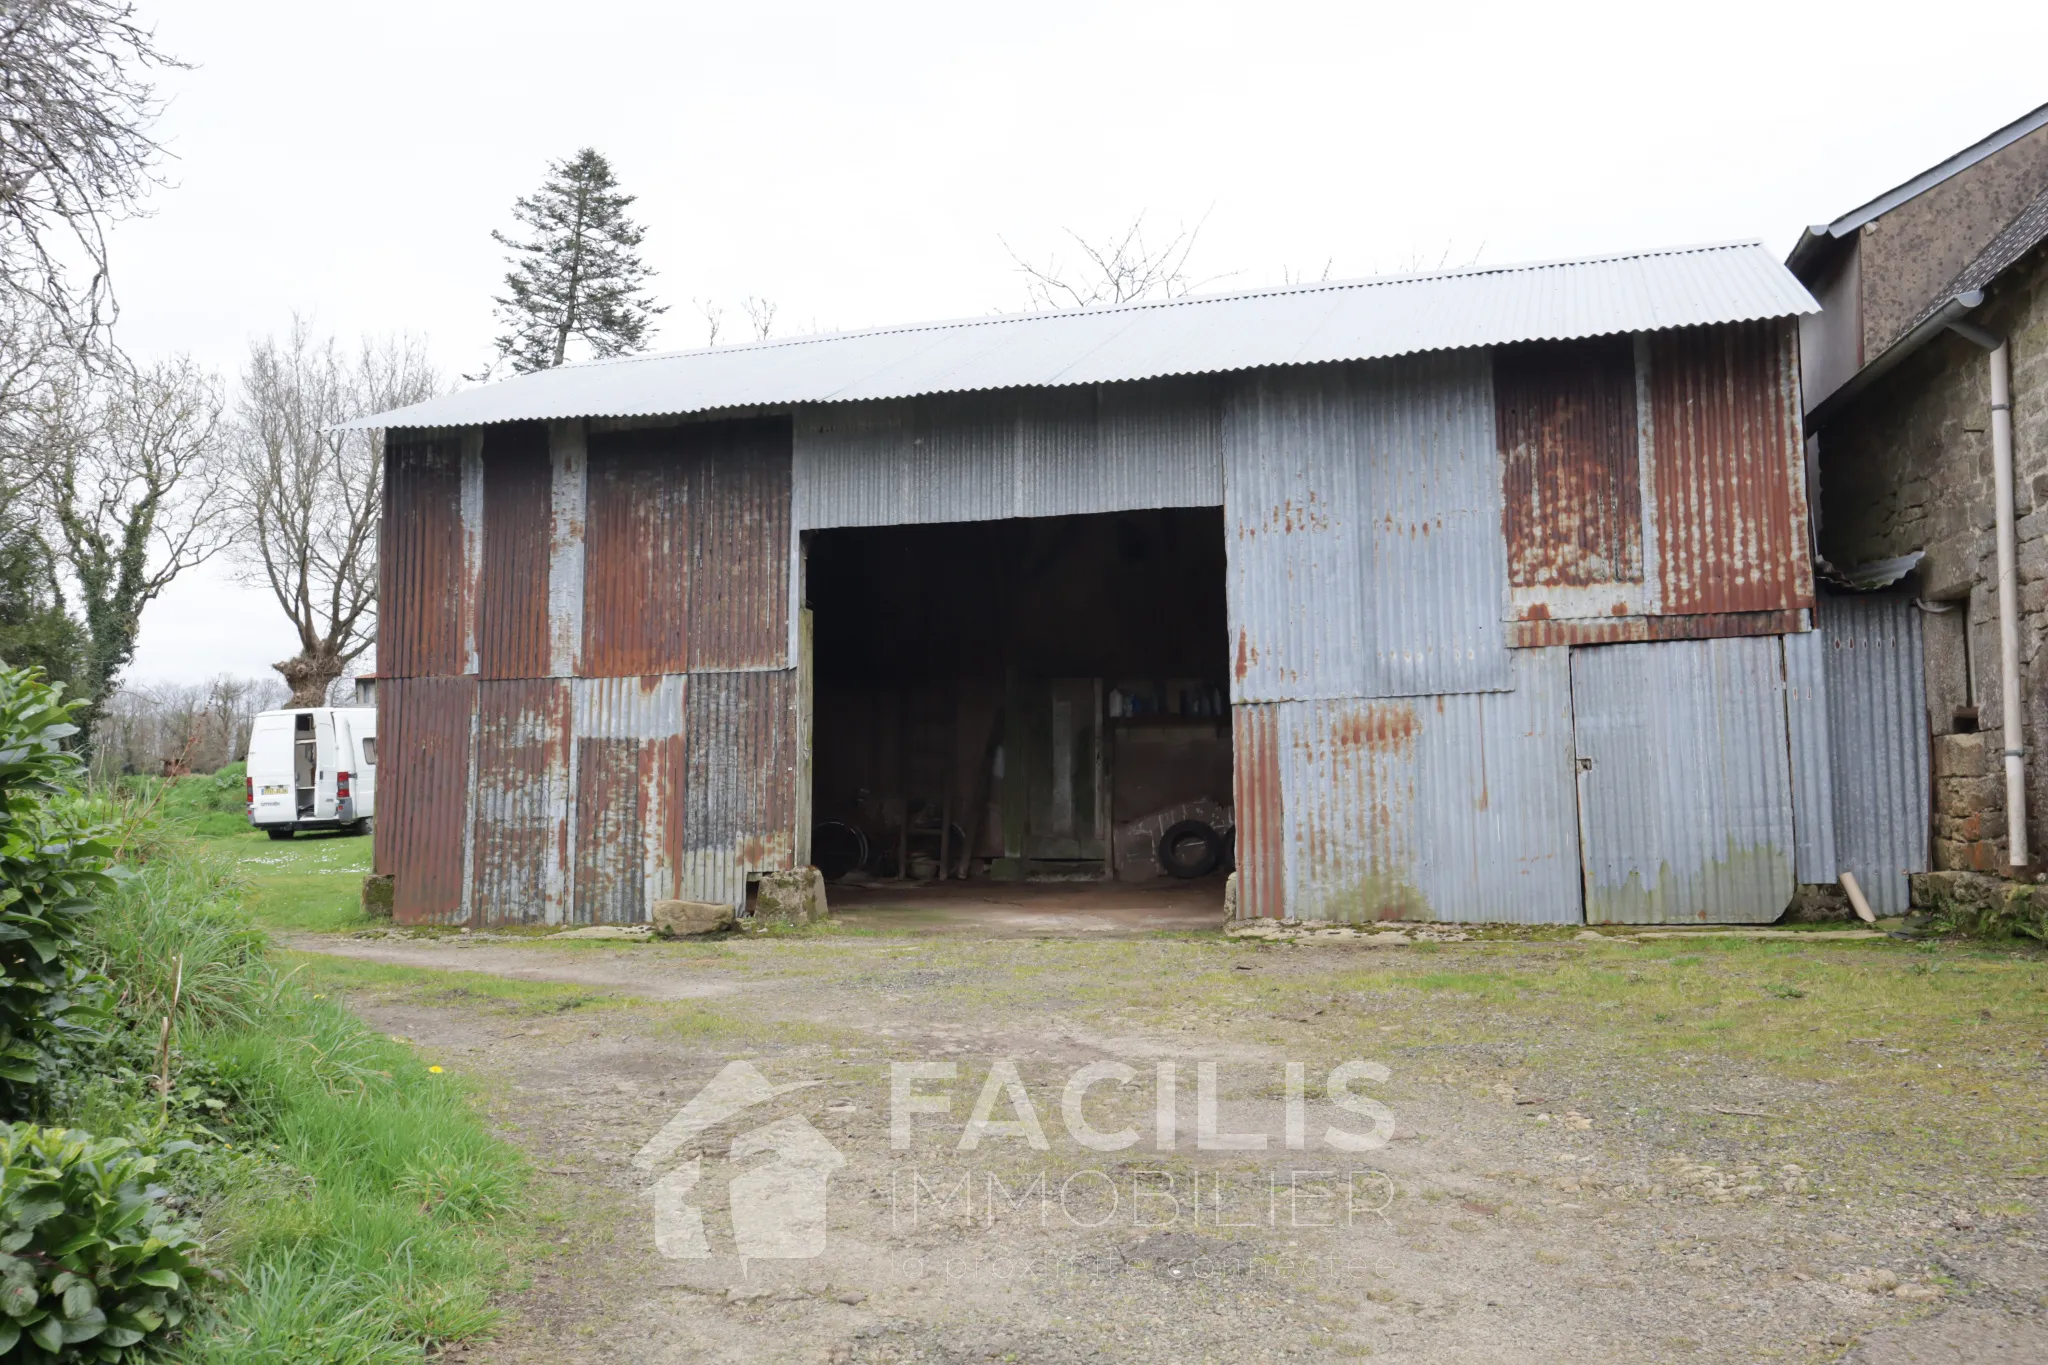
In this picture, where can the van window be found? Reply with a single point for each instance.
(369, 751)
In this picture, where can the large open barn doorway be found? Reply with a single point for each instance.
(1024, 700)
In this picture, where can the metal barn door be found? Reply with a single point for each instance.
(1877, 735)
(1685, 787)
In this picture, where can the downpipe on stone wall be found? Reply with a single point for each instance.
(2000, 356)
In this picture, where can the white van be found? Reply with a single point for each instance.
(314, 768)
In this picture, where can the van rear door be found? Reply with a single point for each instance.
(271, 779)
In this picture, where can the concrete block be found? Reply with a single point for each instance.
(793, 897)
(379, 889)
(1230, 896)
(683, 919)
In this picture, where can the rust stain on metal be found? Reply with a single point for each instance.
(1634, 629)
(1730, 496)
(423, 800)
(420, 627)
(687, 548)
(1566, 419)
(1261, 813)
(512, 610)
(520, 803)
(1384, 726)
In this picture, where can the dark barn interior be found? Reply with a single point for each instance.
(1013, 698)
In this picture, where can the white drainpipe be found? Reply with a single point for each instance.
(2000, 349)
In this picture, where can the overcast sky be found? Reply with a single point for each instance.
(864, 163)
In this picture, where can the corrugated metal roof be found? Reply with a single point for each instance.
(1307, 324)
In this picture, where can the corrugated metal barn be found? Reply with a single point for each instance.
(1478, 596)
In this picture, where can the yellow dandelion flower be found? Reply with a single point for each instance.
(435, 1069)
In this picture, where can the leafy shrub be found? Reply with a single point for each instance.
(53, 862)
(91, 1265)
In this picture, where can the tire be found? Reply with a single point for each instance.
(837, 848)
(365, 827)
(275, 832)
(1190, 849)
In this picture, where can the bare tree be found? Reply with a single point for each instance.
(761, 316)
(123, 466)
(306, 498)
(165, 727)
(714, 316)
(75, 151)
(1118, 268)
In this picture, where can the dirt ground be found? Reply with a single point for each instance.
(1569, 1174)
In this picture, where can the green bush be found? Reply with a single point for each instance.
(53, 862)
(91, 1266)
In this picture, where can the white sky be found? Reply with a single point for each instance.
(856, 163)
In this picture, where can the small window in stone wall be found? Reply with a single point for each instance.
(1951, 671)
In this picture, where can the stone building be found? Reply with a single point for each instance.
(1917, 287)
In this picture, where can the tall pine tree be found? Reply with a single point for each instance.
(578, 275)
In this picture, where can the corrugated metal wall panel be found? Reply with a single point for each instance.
(1363, 523)
(991, 456)
(520, 807)
(569, 462)
(1496, 802)
(1687, 805)
(1261, 803)
(1728, 472)
(739, 543)
(1813, 787)
(421, 571)
(1620, 630)
(424, 726)
(636, 557)
(628, 756)
(741, 797)
(1566, 414)
(512, 601)
(1877, 734)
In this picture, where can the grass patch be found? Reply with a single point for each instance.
(360, 1206)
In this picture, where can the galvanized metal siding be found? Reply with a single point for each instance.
(1877, 735)
(1567, 419)
(1452, 807)
(741, 798)
(740, 543)
(1363, 517)
(1686, 806)
(424, 729)
(988, 457)
(517, 518)
(568, 461)
(628, 758)
(1206, 334)
(420, 621)
(1728, 472)
(1813, 786)
(519, 807)
(636, 557)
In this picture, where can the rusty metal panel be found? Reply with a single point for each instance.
(1363, 517)
(1727, 469)
(988, 457)
(1813, 787)
(521, 802)
(1570, 467)
(739, 543)
(517, 516)
(1261, 802)
(420, 619)
(1685, 789)
(741, 799)
(1636, 629)
(1307, 324)
(424, 725)
(568, 462)
(1456, 807)
(627, 754)
(636, 557)
(1877, 736)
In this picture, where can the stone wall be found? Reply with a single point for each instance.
(1909, 467)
